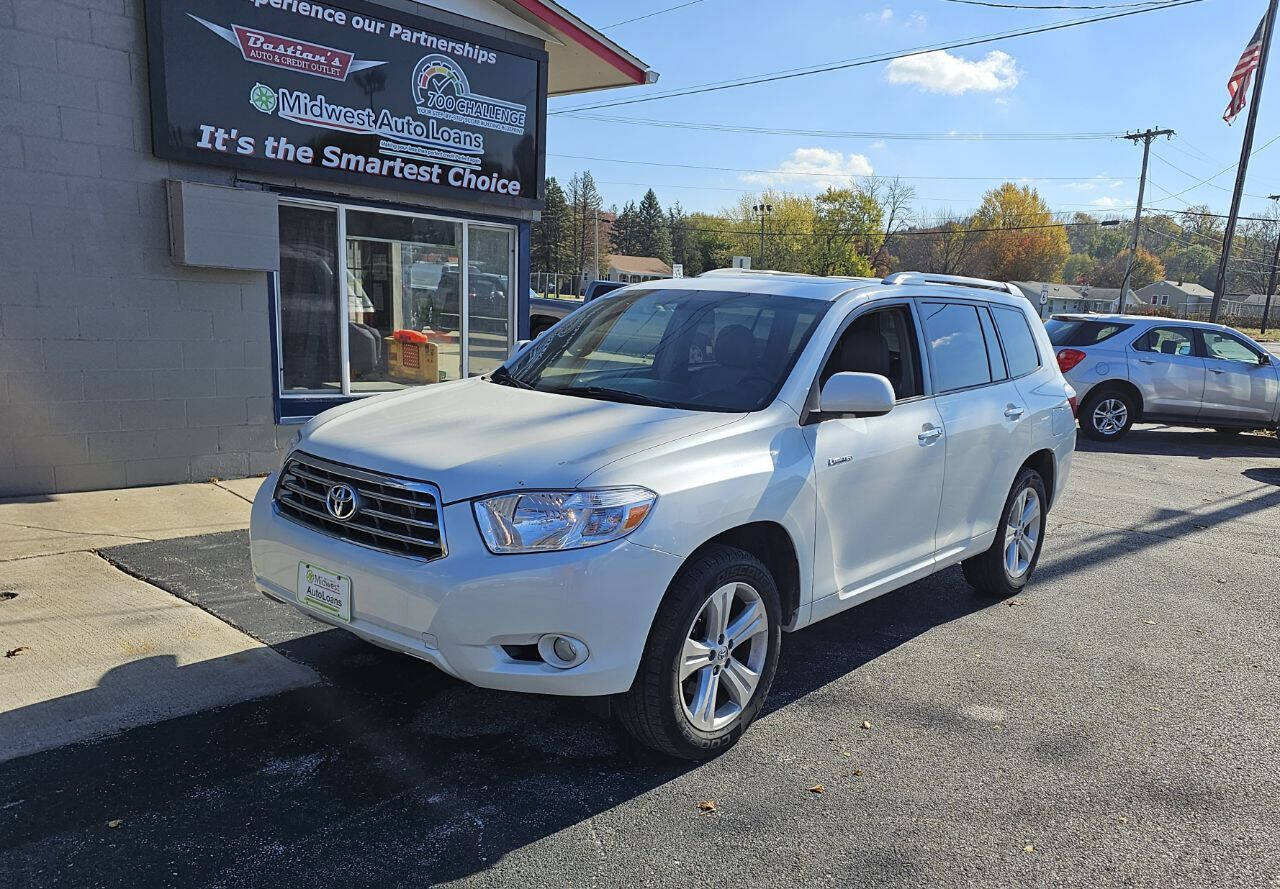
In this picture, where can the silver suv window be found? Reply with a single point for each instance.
(1167, 341)
(1019, 345)
(1227, 348)
(957, 349)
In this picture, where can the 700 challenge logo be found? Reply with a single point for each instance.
(441, 89)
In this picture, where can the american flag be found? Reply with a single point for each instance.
(1238, 85)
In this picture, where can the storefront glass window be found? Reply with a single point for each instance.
(489, 257)
(422, 299)
(309, 310)
(402, 277)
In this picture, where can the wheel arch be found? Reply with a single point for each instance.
(1046, 464)
(772, 544)
(1118, 385)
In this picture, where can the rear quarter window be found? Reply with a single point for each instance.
(1020, 351)
(1073, 332)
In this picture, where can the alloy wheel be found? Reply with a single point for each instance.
(1110, 416)
(723, 657)
(1022, 533)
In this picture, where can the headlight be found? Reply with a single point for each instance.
(541, 521)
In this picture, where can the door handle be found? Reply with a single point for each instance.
(1013, 412)
(930, 435)
(1146, 361)
(1216, 371)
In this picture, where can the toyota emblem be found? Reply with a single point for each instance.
(342, 501)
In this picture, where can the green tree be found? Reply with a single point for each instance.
(683, 241)
(584, 212)
(711, 248)
(1192, 263)
(651, 235)
(622, 237)
(1079, 269)
(551, 242)
(847, 232)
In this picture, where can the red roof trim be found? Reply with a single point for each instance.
(575, 32)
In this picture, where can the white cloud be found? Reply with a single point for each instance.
(879, 145)
(941, 72)
(884, 16)
(917, 21)
(1093, 183)
(816, 168)
(1107, 202)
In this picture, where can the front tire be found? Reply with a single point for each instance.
(1004, 569)
(710, 658)
(1107, 415)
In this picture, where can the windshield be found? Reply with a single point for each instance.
(695, 350)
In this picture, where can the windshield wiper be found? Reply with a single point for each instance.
(604, 393)
(503, 377)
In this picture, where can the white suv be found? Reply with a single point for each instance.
(640, 501)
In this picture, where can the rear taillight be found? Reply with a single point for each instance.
(1069, 358)
(1075, 406)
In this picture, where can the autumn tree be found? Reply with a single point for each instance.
(1147, 269)
(847, 232)
(584, 211)
(1019, 240)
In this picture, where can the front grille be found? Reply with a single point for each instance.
(393, 515)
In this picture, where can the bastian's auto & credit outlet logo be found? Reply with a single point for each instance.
(289, 53)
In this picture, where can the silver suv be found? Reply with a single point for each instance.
(1126, 368)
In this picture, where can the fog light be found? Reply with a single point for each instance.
(562, 651)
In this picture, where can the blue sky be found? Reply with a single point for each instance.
(1166, 68)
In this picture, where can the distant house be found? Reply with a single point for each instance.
(630, 269)
(1186, 297)
(1062, 298)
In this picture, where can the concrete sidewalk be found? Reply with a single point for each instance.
(89, 650)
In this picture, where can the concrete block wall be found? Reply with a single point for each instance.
(117, 367)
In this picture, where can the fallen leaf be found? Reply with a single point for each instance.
(707, 807)
(1123, 820)
(14, 652)
(1153, 623)
(857, 773)
(1013, 602)
(115, 822)
(1028, 848)
(845, 753)
(817, 788)
(866, 723)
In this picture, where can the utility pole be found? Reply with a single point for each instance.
(762, 210)
(1145, 137)
(1246, 151)
(1271, 284)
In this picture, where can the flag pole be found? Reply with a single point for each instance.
(1220, 285)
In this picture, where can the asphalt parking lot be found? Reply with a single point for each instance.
(1116, 725)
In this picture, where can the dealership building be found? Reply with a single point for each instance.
(220, 217)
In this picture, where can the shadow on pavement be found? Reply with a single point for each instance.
(390, 771)
(1170, 441)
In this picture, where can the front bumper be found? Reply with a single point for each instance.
(458, 611)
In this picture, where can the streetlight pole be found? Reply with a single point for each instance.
(1271, 284)
(762, 210)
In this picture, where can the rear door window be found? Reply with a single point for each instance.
(1167, 341)
(994, 355)
(957, 349)
(1019, 345)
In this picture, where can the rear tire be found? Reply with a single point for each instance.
(710, 658)
(1004, 569)
(1107, 414)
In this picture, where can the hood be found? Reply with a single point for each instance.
(473, 437)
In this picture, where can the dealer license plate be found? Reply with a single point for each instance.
(325, 591)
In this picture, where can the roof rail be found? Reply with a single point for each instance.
(729, 272)
(955, 280)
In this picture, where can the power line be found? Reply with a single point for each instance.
(901, 233)
(775, 172)
(870, 60)
(1228, 169)
(847, 134)
(1051, 7)
(649, 15)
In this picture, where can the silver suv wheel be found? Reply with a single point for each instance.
(1110, 416)
(1022, 533)
(723, 657)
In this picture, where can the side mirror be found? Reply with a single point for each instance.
(1266, 359)
(863, 395)
(517, 347)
